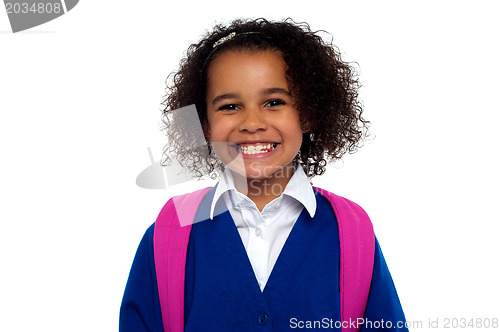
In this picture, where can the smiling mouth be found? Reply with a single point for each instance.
(258, 148)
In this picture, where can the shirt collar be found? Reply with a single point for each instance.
(298, 188)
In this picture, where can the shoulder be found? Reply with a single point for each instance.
(183, 208)
(339, 202)
(351, 217)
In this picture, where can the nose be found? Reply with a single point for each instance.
(253, 120)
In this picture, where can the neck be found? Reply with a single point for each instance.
(263, 191)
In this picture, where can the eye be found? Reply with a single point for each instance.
(275, 102)
(229, 107)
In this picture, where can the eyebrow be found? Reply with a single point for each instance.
(263, 92)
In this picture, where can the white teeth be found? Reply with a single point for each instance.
(256, 149)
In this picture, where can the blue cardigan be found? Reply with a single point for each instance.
(222, 294)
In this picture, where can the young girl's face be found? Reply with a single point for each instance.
(252, 123)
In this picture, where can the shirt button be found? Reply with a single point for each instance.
(257, 231)
(263, 318)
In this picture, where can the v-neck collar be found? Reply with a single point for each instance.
(289, 260)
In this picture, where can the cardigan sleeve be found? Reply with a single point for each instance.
(140, 309)
(383, 310)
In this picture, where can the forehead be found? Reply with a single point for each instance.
(237, 66)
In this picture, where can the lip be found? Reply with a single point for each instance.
(255, 142)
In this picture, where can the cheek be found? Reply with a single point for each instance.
(296, 133)
(222, 125)
(218, 129)
(211, 126)
(295, 128)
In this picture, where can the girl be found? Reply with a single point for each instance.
(269, 252)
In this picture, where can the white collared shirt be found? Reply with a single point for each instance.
(264, 233)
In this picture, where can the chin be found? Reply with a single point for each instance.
(263, 172)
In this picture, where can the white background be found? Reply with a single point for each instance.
(80, 99)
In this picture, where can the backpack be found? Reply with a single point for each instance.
(171, 237)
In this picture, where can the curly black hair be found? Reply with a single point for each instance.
(325, 88)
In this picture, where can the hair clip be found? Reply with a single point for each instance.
(224, 39)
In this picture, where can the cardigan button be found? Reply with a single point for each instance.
(263, 318)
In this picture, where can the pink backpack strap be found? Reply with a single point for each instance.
(171, 237)
(357, 251)
(170, 240)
